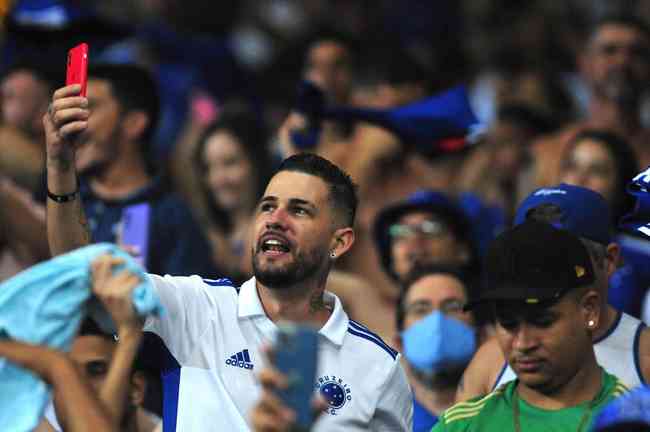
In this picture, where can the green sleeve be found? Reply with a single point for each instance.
(440, 426)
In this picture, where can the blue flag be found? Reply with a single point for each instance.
(435, 125)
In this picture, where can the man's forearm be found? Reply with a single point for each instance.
(78, 401)
(67, 227)
(75, 398)
(117, 384)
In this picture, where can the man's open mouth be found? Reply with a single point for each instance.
(274, 245)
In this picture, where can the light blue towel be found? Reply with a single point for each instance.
(44, 305)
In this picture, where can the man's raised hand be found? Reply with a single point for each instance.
(66, 117)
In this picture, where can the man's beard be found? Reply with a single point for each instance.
(98, 166)
(302, 268)
(622, 87)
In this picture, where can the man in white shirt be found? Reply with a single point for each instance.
(213, 332)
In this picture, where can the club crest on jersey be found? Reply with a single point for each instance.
(335, 391)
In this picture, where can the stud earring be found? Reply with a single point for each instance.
(591, 323)
(332, 254)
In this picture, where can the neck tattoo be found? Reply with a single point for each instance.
(317, 303)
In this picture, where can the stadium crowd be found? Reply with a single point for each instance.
(454, 196)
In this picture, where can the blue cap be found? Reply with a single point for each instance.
(585, 213)
(629, 408)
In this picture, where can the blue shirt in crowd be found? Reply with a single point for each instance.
(423, 420)
(176, 243)
(628, 285)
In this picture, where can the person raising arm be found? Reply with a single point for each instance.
(66, 117)
(76, 397)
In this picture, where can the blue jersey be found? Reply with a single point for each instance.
(423, 419)
(176, 244)
(628, 285)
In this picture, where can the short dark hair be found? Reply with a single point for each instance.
(135, 90)
(623, 19)
(466, 278)
(343, 195)
(89, 327)
(528, 117)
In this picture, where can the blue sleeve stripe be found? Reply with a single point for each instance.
(363, 329)
(171, 383)
(219, 282)
(383, 346)
(171, 380)
(637, 360)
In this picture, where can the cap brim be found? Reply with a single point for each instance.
(510, 296)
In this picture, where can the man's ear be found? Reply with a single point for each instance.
(134, 124)
(138, 388)
(612, 259)
(589, 304)
(342, 241)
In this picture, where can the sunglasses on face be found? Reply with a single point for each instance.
(452, 307)
(429, 229)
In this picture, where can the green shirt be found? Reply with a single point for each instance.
(494, 411)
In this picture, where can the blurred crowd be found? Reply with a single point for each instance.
(194, 104)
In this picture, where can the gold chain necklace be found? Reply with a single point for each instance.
(581, 426)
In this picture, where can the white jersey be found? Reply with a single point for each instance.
(617, 351)
(214, 334)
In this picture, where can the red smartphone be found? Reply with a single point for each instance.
(77, 70)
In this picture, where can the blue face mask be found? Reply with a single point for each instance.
(438, 343)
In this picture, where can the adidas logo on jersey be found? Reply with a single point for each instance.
(241, 360)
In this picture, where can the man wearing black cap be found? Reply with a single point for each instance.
(621, 342)
(541, 286)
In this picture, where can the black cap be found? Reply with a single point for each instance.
(535, 263)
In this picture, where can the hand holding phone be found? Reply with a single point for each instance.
(295, 354)
(77, 69)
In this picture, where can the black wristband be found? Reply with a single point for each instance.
(63, 198)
